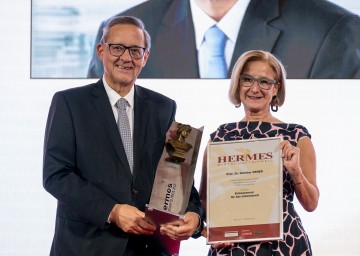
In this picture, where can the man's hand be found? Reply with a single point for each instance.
(181, 230)
(131, 220)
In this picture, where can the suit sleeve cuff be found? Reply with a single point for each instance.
(198, 230)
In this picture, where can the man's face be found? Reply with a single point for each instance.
(121, 72)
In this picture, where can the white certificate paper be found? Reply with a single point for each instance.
(245, 191)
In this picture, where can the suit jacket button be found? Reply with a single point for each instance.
(134, 191)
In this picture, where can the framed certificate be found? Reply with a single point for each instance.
(244, 191)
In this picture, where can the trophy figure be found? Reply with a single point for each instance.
(178, 147)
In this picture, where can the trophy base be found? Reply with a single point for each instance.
(159, 217)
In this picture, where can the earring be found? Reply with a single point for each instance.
(274, 104)
(274, 108)
(238, 105)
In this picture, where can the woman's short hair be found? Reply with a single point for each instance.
(241, 64)
(126, 20)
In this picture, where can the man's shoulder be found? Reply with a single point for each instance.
(152, 95)
(314, 17)
(322, 9)
(79, 90)
(149, 12)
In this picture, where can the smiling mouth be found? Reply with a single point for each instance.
(254, 97)
(124, 68)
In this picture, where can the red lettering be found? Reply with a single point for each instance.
(239, 158)
(251, 157)
(221, 159)
(231, 158)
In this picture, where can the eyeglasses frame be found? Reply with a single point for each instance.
(273, 82)
(126, 48)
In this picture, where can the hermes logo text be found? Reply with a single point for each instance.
(244, 158)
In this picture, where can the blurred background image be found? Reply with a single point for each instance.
(63, 34)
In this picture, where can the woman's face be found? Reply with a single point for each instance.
(254, 98)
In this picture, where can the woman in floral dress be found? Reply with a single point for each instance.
(258, 83)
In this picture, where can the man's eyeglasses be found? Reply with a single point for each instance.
(264, 83)
(117, 50)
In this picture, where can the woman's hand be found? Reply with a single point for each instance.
(217, 245)
(300, 162)
(291, 160)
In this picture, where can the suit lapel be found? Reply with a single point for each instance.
(141, 117)
(105, 113)
(256, 33)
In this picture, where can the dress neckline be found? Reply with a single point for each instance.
(261, 122)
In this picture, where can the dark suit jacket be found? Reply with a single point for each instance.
(313, 38)
(86, 169)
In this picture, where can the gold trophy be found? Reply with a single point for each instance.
(178, 147)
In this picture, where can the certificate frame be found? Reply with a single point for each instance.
(244, 190)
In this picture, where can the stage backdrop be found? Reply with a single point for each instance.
(328, 108)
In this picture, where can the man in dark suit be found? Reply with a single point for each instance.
(101, 196)
(313, 38)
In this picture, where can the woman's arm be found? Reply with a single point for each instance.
(300, 161)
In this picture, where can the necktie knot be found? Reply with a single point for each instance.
(215, 39)
(121, 104)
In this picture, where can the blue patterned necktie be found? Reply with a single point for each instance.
(215, 46)
(124, 129)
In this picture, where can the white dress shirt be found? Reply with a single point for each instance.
(114, 97)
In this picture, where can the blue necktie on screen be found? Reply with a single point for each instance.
(215, 46)
(124, 129)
